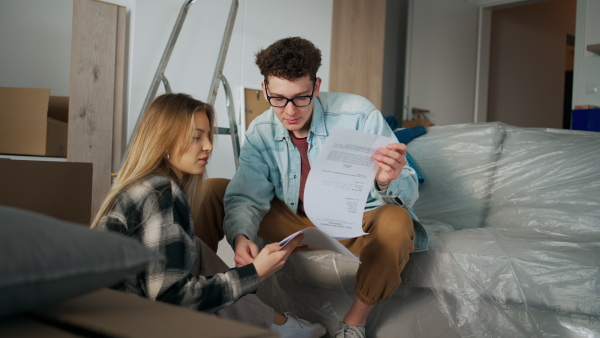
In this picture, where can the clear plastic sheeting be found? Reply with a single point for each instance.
(513, 216)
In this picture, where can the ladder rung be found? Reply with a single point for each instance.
(222, 131)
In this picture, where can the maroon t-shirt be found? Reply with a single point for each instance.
(302, 145)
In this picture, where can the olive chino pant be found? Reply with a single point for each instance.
(383, 252)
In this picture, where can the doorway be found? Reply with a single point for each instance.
(530, 63)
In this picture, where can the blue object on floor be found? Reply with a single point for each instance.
(412, 164)
(404, 136)
(391, 121)
(408, 134)
(585, 119)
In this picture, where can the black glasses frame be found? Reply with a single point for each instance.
(310, 97)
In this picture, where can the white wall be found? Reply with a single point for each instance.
(586, 74)
(35, 36)
(191, 66)
(442, 59)
(35, 40)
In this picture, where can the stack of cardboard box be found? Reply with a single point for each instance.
(32, 122)
(34, 129)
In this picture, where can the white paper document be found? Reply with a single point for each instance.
(315, 237)
(339, 182)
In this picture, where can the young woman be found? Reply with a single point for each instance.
(149, 202)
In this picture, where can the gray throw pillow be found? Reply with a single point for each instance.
(44, 260)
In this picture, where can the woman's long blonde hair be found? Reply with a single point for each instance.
(167, 123)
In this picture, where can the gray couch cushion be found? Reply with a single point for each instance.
(44, 260)
(516, 267)
(547, 180)
(457, 163)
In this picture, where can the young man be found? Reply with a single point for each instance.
(265, 197)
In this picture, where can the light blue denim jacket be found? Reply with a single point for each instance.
(270, 165)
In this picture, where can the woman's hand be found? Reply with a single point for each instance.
(272, 257)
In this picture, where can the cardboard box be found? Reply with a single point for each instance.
(32, 122)
(254, 104)
(58, 189)
(109, 313)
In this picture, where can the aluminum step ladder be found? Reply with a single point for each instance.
(218, 77)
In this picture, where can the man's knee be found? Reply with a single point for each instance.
(216, 186)
(393, 222)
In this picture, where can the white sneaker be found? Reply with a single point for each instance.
(295, 327)
(349, 331)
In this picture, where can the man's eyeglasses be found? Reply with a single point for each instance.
(298, 101)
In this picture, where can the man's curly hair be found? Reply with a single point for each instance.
(290, 59)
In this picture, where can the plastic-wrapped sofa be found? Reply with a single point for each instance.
(513, 216)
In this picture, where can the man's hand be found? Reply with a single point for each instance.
(390, 160)
(245, 251)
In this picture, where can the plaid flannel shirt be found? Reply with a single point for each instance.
(156, 213)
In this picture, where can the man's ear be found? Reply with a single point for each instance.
(264, 90)
(317, 86)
